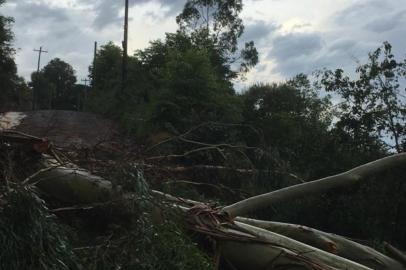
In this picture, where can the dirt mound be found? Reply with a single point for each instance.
(63, 128)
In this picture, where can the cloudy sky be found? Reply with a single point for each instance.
(292, 35)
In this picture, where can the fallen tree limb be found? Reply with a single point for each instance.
(262, 249)
(252, 247)
(331, 243)
(352, 176)
(395, 253)
(279, 246)
(72, 184)
(193, 129)
(180, 169)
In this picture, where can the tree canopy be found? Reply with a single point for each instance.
(54, 86)
(13, 89)
(216, 24)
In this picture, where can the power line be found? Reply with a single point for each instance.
(85, 81)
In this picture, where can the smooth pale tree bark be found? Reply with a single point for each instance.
(284, 247)
(395, 253)
(249, 247)
(329, 242)
(352, 176)
(71, 184)
(253, 248)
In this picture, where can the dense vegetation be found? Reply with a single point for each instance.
(185, 82)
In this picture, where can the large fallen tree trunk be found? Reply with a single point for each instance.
(242, 243)
(331, 243)
(264, 245)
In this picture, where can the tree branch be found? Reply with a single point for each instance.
(352, 176)
(395, 253)
(329, 242)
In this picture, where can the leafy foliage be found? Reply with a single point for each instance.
(31, 238)
(54, 86)
(172, 85)
(106, 79)
(217, 22)
(290, 115)
(13, 88)
(152, 239)
(373, 108)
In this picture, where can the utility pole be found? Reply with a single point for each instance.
(125, 48)
(85, 81)
(85, 94)
(34, 97)
(94, 66)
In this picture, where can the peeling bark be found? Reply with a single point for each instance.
(329, 242)
(242, 245)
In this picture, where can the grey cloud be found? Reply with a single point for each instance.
(60, 31)
(301, 26)
(108, 12)
(373, 15)
(294, 45)
(30, 12)
(259, 30)
(306, 52)
(386, 23)
(174, 6)
(292, 52)
(342, 45)
(361, 11)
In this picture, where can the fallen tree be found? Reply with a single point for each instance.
(241, 243)
(266, 245)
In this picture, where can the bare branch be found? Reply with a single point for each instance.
(352, 176)
(395, 253)
(332, 243)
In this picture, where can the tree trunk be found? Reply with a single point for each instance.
(352, 176)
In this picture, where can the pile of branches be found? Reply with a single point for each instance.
(233, 240)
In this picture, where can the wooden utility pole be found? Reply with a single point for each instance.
(34, 97)
(94, 65)
(125, 48)
(85, 81)
(79, 100)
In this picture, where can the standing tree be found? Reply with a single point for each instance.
(291, 115)
(108, 80)
(216, 24)
(13, 88)
(7, 66)
(55, 86)
(373, 109)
